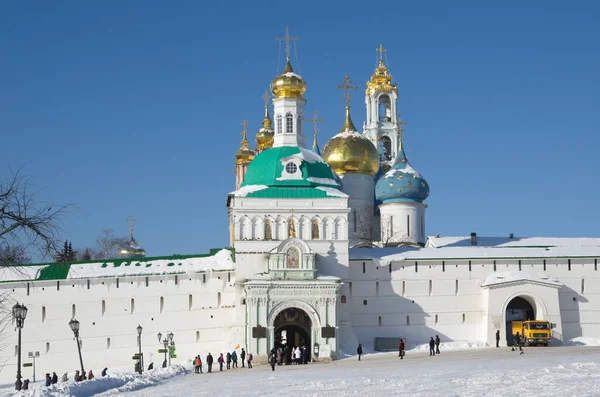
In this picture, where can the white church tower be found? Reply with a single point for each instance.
(288, 107)
(382, 126)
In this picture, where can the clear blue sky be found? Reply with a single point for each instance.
(134, 108)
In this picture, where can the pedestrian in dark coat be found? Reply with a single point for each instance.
(54, 378)
(25, 385)
(243, 356)
(48, 380)
(498, 338)
(234, 359)
(437, 344)
(273, 359)
(401, 348)
(359, 351)
(106, 369)
(249, 360)
(228, 360)
(431, 347)
(221, 360)
(209, 362)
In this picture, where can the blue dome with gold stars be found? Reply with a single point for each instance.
(402, 183)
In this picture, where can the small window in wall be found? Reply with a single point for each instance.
(58, 285)
(470, 266)
(279, 124)
(176, 280)
(88, 283)
(463, 318)
(108, 343)
(390, 268)
(403, 288)
(117, 283)
(436, 319)
(218, 299)
(376, 288)
(456, 287)
(350, 288)
(365, 302)
(582, 285)
(443, 266)
(73, 311)
(190, 302)
(407, 320)
(544, 265)
(43, 313)
(495, 265)
(132, 308)
(197, 336)
(315, 229)
(48, 347)
(103, 307)
(569, 264)
(416, 266)
(243, 301)
(147, 281)
(289, 123)
(595, 266)
(162, 303)
(204, 278)
(379, 321)
(343, 298)
(430, 286)
(27, 289)
(228, 277)
(364, 268)
(519, 265)
(408, 225)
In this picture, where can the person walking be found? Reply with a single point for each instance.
(48, 380)
(401, 348)
(437, 344)
(54, 378)
(197, 364)
(106, 369)
(221, 360)
(359, 351)
(250, 360)
(234, 360)
(90, 375)
(272, 359)
(228, 360)
(209, 362)
(64, 378)
(497, 338)
(25, 385)
(431, 347)
(243, 356)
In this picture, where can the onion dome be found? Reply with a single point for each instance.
(264, 136)
(351, 152)
(402, 183)
(381, 80)
(244, 154)
(288, 84)
(131, 250)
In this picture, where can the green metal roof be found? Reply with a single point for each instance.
(290, 192)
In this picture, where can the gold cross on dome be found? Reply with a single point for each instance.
(347, 87)
(244, 124)
(131, 222)
(266, 97)
(381, 50)
(287, 40)
(315, 120)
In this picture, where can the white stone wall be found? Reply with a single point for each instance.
(361, 202)
(283, 107)
(403, 222)
(108, 331)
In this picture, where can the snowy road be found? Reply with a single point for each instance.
(554, 371)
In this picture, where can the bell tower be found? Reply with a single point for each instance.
(383, 126)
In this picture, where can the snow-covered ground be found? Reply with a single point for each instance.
(478, 371)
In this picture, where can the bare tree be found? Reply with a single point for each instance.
(27, 225)
(364, 227)
(108, 244)
(391, 238)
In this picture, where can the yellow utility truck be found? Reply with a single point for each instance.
(532, 332)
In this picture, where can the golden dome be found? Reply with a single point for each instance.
(244, 154)
(288, 84)
(350, 152)
(264, 136)
(381, 80)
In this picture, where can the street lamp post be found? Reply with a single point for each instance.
(19, 313)
(171, 343)
(139, 331)
(74, 324)
(167, 342)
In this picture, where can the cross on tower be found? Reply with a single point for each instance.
(244, 124)
(287, 40)
(315, 120)
(131, 222)
(400, 123)
(347, 87)
(266, 97)
(381, 50)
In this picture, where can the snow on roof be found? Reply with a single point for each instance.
(385, 256)
(246, 190)
(465, 241)
(309, 156)
(347, 133)
(220, 261)
(292, 74)
(19, 273)
(332, 191)
(511, 277)
(408, 169)
(323, 181)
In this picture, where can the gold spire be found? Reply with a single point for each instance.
(267, 122)
(288, 84)
(348, 125)
(381, 80)
(244, 154)
(264, 136)
(315, 120)
(347, 98)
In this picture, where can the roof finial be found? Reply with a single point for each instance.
(267, 123)
(347, 87)
(315, 120)
(244, 124)
(381, 50)
(400, 123)
(131, 222)
(287, 40)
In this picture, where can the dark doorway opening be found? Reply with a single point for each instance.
(518, 309)
(292, 330)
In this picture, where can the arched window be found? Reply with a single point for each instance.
(299, 125)
(43, 313)
(385, 109)
(343, 298)
(279, 124)
(289, 123)
(132, 305)
(108, 343)
(315, 229)
(385, 148)
(73, 311)
(190, 302)
(103, 307)
(162, 303)
(218, 299)
(268, 230)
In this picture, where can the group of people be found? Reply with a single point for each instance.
(53, 379)
(230, 359)
(287, 355)
(434, 348)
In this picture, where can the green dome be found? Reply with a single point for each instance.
(290, 166)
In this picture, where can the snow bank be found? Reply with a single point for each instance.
(120, 382)
(453, 345)
(582, 341)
